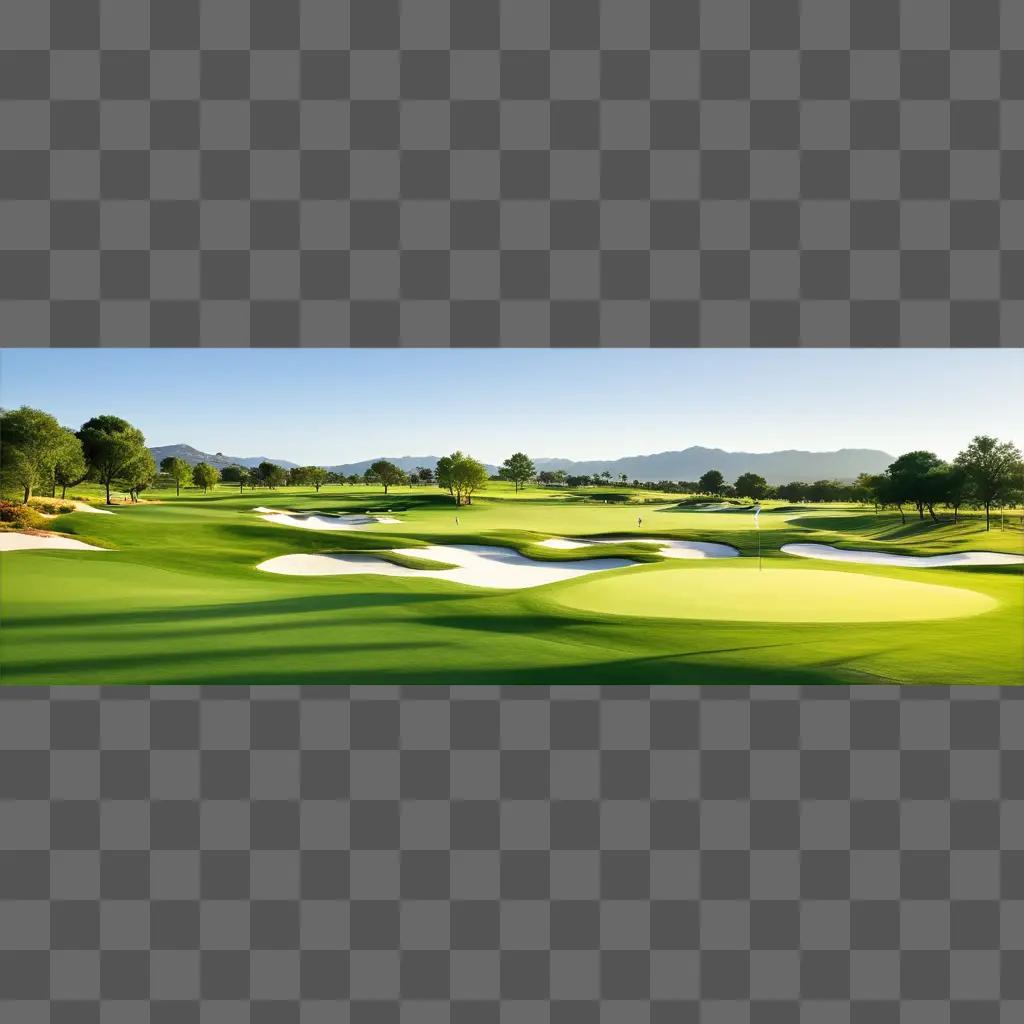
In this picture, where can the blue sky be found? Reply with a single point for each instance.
(331, 406)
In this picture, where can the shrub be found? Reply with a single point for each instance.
(52, 508)
(20, 517)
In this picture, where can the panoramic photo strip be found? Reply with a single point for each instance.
(511, 516)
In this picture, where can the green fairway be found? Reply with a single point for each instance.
(176, 596)
(744, 594)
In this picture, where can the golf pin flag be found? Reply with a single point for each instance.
(757, 512)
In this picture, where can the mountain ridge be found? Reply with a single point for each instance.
(691, 463)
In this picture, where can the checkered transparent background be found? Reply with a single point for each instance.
(573, 854)
(479, 172)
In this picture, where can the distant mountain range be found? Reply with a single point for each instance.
(193, 456)
(688, 464)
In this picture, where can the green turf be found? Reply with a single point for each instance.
(743, 593)
(177, 599)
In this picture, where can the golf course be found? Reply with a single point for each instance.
(214, 516)
(535, 585)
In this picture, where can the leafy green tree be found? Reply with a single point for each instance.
(910, 475)
(461, 475)
(271, 474)
(518, 468)
(205, 476)
(297, 476)
(994, 469)
(178, 470)
(387, 474)
(235, 475)
(794, 491)
(712, 482)
(315, 475)
(138, 474)
(31, 442)
(69, 469)
(750, 485)
(111, 445)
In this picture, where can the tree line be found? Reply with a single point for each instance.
(37, 453)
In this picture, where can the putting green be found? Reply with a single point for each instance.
(774, 595)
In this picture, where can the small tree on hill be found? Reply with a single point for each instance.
(205, 476)
(712, 482)
(178, 470)
(519, 469)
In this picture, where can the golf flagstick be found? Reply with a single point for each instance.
(757, 527)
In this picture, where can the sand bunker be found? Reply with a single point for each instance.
(475, 566)
(831, 554)
(720, 506)
(322, 521)
(774, 595)
(12, 541)
(668, 547)
(84, 506)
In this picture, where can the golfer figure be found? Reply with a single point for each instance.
(638, 522)
(456, 520)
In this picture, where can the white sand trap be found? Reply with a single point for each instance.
(831, 554)
(263, 508)
(84, 506)
(476, 566)
(320, 521)
(12, 541)
(721, 506)
(668, 547)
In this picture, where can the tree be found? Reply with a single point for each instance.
(69, 469)
(622, 479)
(424, 474)
(994, 471)
(519, 469)
(712, 482)
(31, 442)
(138, 474)
(910, 477)
(178, 470)
(461, 475)
(606, 476)
(750, 485)
(205, 476)
(387, 474)
(948, 485)
(111, 445)
(315, 475)
(794, 491)
(873, 485)
(271, 474)
(297, 476)
(235, 475)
